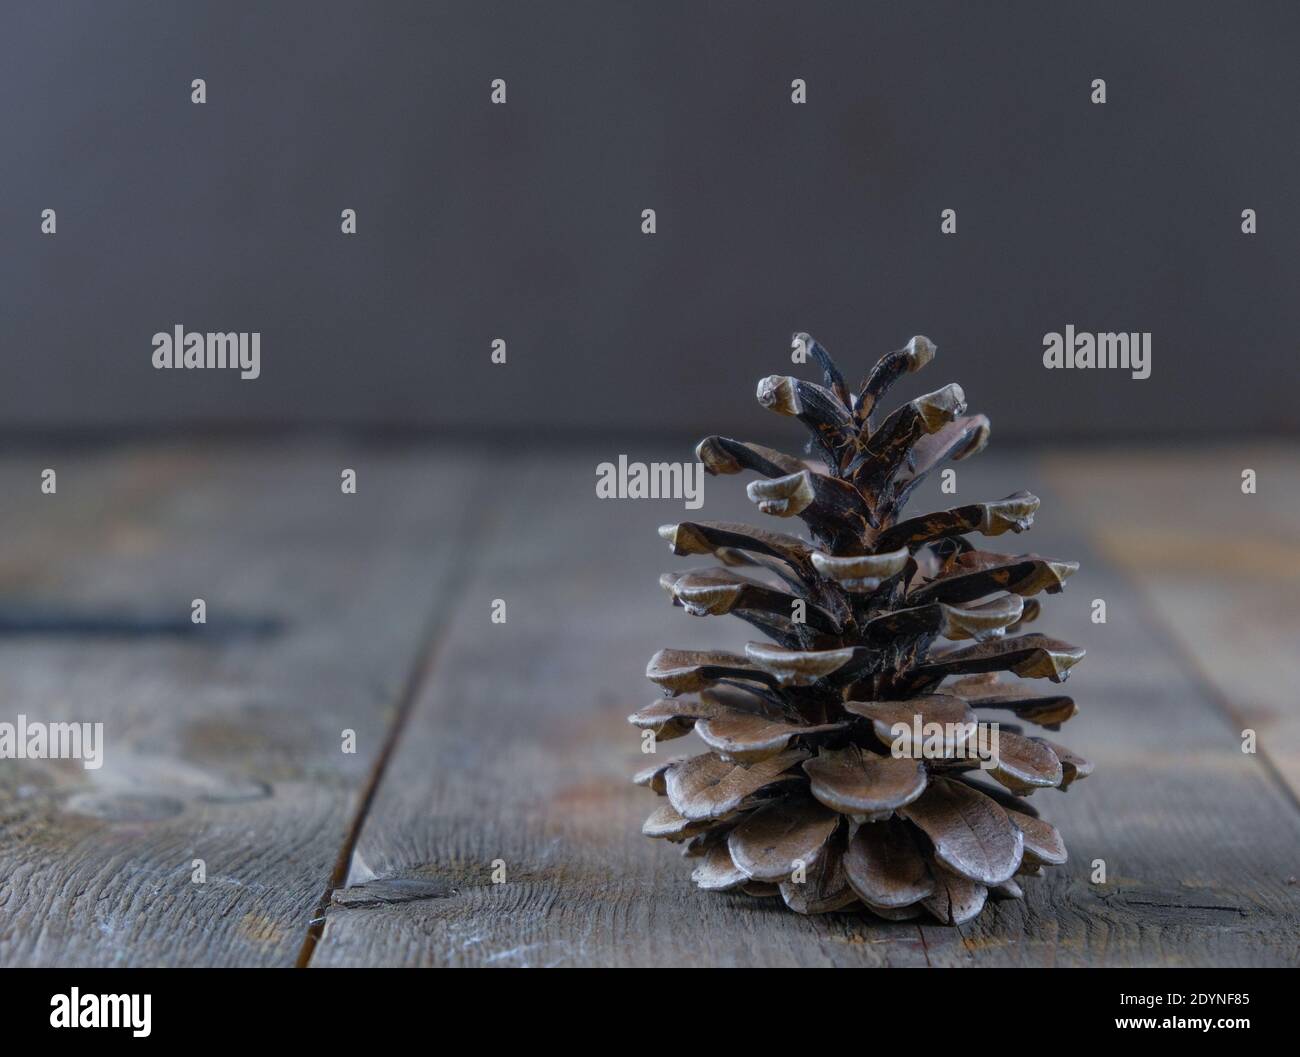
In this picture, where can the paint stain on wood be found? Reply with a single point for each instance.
(260, 929)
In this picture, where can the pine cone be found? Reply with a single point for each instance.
(811, 789)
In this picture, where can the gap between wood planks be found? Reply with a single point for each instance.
(478, 520)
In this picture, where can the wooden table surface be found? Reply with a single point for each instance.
(479, 742)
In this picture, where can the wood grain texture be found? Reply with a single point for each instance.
(1199, 840)
(225, 744)
(518, 751)
(1219, 568)
(222, 742)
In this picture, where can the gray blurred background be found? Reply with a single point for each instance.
(523, 222)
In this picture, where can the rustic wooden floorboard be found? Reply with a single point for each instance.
(517, 750)
(1220, 568)
(225, 744)
(222, 744)
(1199, 839)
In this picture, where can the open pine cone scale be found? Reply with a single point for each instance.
(807, 790)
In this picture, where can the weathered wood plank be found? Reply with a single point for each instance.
(1219, 567)
(1198, 839)
(222, 743)
(517, 751)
